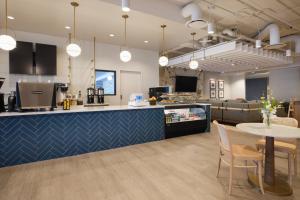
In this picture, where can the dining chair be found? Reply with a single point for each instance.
(231, 154)
(291, 111)
(287, 146)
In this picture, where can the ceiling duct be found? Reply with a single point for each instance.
(208, 40)
(273, 31)
(228, 32)
(293, 38)
(193, 11)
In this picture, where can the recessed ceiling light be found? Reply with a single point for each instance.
(111, 35)
(146, 41)
(10, 17)
(256, 67)
(232, 64)
(67, 27)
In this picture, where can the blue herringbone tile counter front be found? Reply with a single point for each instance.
(25, 139)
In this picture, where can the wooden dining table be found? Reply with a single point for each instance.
(272, 183)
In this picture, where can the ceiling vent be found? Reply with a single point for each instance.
(193, 11)
(273, 31)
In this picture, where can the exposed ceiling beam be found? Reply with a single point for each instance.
(269, 14)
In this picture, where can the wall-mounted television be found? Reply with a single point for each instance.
(186, 84)
(33, 59)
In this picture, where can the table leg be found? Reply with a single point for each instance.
(272, 184)
(269, 162)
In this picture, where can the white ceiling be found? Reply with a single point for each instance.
(94, 18)
(101, 17)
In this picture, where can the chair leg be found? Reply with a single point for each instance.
(260, 177)
(219, 166)
(295, 164)
(289, 168)
(256, 169)
(230, 178)
(246, 164)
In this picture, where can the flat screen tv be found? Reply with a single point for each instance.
(186, 84)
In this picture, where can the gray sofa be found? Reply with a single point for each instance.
(237, 111)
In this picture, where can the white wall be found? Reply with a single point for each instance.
(234, 85)
(237, 86)
(107, 57)
(285, 83)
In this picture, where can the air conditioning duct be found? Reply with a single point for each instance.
(229, 32)
(273, 31)
(193, 11)
(293, 38)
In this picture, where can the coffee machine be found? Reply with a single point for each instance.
(90, 95)
(2, 106)
(100, 95)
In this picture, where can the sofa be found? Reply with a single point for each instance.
(237, 111)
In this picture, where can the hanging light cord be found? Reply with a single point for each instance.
(193, 46)
(6, 15)
(74, 4)
(163, 42)
(125, 29)
(193, 34)
(94, 68)
(74, 22)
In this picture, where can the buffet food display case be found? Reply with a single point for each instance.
(183, 120)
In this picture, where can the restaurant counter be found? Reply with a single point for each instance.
(34, 136)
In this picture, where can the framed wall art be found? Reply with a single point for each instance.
(221, 85)
(212, 94)
(212, 84)
(221, 94)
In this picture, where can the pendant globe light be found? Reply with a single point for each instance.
(193, 63)
(7, 42)
(125, 55)
(74, 49)
(163, 60)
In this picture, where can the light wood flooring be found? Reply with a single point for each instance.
(176, 169)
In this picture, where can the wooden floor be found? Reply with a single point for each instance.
(182, 168)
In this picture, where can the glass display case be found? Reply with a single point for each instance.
(184, 115)
(183, 120)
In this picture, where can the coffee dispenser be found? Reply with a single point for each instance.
(90, 95)
(11, 102)
(100, 95)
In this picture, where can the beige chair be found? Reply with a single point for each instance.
(291, 112)
(232, 154)
(288, 146)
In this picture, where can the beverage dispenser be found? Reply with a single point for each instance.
(100, 95)
(90, 95)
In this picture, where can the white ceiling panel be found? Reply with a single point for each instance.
(233, 57)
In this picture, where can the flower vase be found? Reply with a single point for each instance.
(267, 119)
